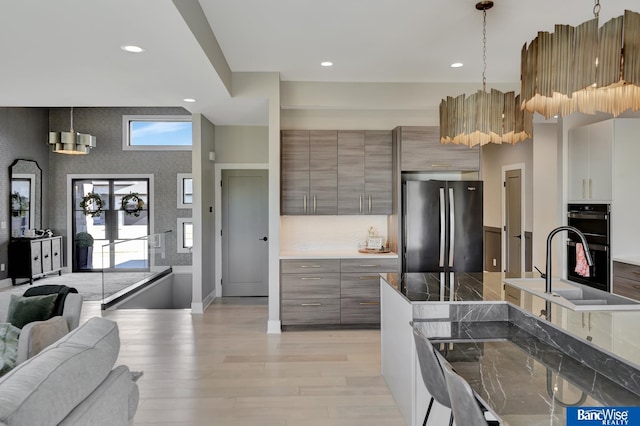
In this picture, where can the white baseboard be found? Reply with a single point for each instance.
(274, 327)
(200, 307)
(5, 283)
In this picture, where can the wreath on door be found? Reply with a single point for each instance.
(132, 204)
(92, 204)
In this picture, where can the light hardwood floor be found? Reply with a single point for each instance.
(221, 368)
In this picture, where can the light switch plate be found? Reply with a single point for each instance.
(3, 225)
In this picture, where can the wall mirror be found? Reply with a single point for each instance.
(26, 196)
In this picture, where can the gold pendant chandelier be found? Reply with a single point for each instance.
(583, 69)
(484, 117)
(71, 142)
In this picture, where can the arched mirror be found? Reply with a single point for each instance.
(26, 196)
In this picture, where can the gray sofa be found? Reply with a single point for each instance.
(72, 382)
(37, 335)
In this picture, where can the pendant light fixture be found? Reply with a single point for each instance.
(71, 142)
(483, 117)
(583, 69)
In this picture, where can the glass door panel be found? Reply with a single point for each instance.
(113, 226)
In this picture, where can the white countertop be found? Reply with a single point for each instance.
(632, 260)
(334, 254)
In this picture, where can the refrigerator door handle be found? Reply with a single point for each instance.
(452, 227)
(442, 227)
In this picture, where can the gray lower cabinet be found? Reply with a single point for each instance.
(626, 280)
(310, 292)
(332, 291)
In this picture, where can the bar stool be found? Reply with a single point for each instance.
(432, 375)
(465, 406)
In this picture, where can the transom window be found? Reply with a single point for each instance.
(156, 132)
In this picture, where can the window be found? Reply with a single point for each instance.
(185, 235)
(156, 132)
(185, 191)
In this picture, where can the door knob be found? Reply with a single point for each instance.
(519, 236)
(263, 239)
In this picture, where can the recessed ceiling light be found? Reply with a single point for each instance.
(326, 64)
(456, 64)
(189, 100)
(132, 49)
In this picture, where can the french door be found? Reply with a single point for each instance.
(110, 217)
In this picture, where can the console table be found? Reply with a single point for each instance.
(34, 257)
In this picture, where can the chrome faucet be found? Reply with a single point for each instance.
(547, 278)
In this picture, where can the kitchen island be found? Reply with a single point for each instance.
(524, 367)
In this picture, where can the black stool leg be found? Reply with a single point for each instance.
(428, 411)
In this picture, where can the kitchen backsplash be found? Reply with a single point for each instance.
(299, 233)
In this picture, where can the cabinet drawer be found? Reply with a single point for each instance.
(375, 265)
(46, 256)
(311, 286)
(310, 311)
(309, 266)
(360, 311)
(625, 270)
(360, 286)
(36, 258)
(626, 287)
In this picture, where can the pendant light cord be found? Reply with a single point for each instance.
(71, 118)
(484, 50)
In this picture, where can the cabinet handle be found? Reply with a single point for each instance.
(311, 266)
(46, 256)
(635, 273)
(584, 194)
(368, 266)
(583, 320)
(369, 203)
(369, 303)
(311, 304)
(590, 192)
(55, 254)
(441, 165)
(372, 277)
(304, 204)
(360, 203)
(636, 286)
(36, 258)
(314, 204)
(310, 278)
(589, 321)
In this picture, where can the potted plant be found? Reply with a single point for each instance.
(84, 250)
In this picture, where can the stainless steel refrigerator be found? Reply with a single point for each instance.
(442, 226)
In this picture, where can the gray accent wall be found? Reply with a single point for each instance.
(23, 134)
(109, 158)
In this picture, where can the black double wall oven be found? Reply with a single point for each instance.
(593, 221)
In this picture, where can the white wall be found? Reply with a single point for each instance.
(203, 219)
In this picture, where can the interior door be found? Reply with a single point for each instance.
(244, 233)
(513, 222)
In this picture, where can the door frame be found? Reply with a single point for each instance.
(72, 177)
(218, 167)
(523, 197)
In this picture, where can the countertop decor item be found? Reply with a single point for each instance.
(92, 204)
(132, 204)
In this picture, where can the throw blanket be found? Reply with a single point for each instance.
(8, 347)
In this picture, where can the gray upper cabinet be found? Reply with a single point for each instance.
(323, 181)
(364, 172)
(421, 150)
(309, 172)
(294, 154)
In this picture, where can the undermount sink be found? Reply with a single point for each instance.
(574, 296)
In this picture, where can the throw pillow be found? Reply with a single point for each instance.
(23, 310)
(8, 347)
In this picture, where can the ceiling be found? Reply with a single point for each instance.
(67, 52)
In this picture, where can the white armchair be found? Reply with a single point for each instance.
(37, 335)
